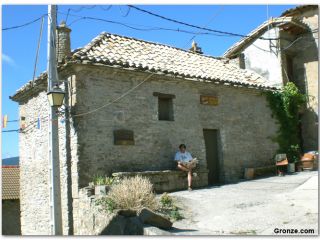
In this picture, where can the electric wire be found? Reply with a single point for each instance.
(195, 26)
(126, 14)
(210, 21)
(25, 24)
(37, 52)
(146, 28)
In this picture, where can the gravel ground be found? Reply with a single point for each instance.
(255, 207)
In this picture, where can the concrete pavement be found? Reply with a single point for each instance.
(251, 207)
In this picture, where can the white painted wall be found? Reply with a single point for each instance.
(263, 57)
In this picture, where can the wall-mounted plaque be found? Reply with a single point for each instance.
(123, 137)
(209, 100)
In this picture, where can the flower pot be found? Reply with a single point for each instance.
(291, 168)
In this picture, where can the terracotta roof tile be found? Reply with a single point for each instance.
(110, 49)
(10, 183)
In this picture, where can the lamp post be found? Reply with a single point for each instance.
(55, 97)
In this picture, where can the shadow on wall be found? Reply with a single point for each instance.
(310, 121)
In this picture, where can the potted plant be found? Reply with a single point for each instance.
(102, 184)
(293, 157)
(99, 185)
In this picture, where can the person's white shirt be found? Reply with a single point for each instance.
(183, 157)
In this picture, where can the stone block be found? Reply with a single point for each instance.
(133, 226)
(149, 217)
(115, 227)
(154, 231)
(127, 212)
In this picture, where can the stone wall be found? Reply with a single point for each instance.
(91, 220)
(168, 180)
(11, 224)
(34, 169)
(306, 76)
(242, 117)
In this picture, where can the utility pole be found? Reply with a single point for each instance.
(54, 165)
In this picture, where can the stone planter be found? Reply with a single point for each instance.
(101, 189)
(291, 168)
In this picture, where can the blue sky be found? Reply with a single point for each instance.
(19, 45)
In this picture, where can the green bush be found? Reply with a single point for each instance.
(169, 208)
(285, 106)
(99, 179)
(106, 203)
(166, 200)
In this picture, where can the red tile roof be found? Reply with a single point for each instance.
(10, 182)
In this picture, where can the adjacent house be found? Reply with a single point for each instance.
(129, 104)
(10, 201)
(290, 54)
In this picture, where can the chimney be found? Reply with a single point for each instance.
(63, 41)
(194, 48)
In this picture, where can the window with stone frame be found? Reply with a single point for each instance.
(165, 106)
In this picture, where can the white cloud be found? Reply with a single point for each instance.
(7, 59)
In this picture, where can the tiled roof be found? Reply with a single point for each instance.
(257, 32)
(112, 49)
(10, 183)
(135, 54)
(298, 9)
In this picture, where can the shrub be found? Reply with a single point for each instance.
(285, 105)
(169, 208)
(133, 193)
(106, 203)
(166, 200)
(175, 214)
(99, 180)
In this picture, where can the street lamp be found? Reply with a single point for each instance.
(56, 96)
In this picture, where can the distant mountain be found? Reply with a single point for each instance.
(10, 161)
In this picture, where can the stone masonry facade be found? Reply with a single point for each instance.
(87, 146)
(242, 118)
(241, 124)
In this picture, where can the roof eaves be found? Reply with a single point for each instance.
(254, 34)
(298, 9)
(194, 78)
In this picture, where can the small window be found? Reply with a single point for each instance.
(123, 137)
(165, 109)
(165, 106)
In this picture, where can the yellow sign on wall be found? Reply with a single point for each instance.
(209, 100)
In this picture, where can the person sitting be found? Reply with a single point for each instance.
(185, 163)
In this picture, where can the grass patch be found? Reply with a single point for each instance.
(169, 208)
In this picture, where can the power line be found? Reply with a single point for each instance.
(195, 26)
(82, 7)
(37, 52)
(147, 28)
(126, 14)
(213, 17)
(25, 24)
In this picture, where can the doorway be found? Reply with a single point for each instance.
(211, 144)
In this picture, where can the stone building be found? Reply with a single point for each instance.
(10, 201)
(290, 55)
(129, 104)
